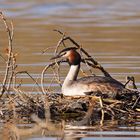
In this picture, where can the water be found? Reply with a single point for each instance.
(109, 30)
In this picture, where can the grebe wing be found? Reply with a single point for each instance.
(99, 80)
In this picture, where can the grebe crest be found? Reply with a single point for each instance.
(72, 56)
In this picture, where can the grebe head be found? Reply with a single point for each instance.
(71, 55)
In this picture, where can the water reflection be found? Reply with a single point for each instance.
(43, 130)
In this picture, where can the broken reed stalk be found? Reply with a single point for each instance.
(10, 49)
(59, 43)
(13, 68)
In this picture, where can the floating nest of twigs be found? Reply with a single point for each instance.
(58, 107)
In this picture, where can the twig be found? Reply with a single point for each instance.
(86, 63)
(45, 69)
(59, 43)
(97, 67)
(47, 49)
(10, 39)
(48, 87)
(102, 111)
(13, 67)
(56, 75)
(21, 72)
(136, 102)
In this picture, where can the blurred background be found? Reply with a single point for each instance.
(108, 29)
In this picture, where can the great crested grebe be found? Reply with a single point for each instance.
(89, 85)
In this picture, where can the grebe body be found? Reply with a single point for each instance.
(89, 85)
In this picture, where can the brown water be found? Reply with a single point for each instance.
(108, 29)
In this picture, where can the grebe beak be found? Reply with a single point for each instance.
(56, 57)
(63, 53)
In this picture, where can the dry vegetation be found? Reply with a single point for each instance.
(16, 106)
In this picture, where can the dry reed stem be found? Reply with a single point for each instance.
(45, 69)
(59, 43)
(25, 72)
(51, 47)
(89, 68)
(10, 49)
(13, 68)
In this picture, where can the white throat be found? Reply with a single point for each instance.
(72, 75)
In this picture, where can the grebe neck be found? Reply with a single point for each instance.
(70, 78)
(73, 73)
